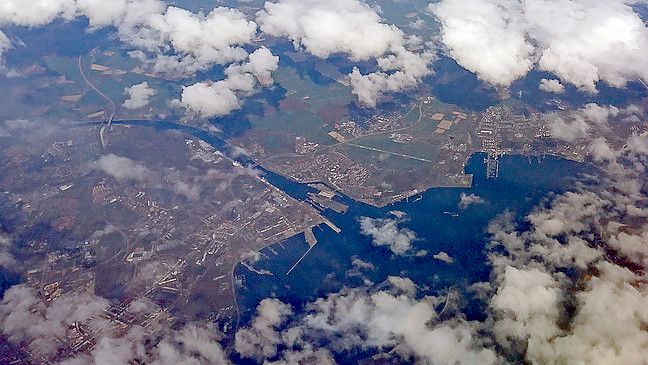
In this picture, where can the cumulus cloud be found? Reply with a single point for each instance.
(326, 28)
(139, 96)
(466, 200)
(29, 321)
(121, 168)
(261, 64)
(250, 258)
(526, 305)
(552, 86)
(26, 319)
(443, 256)
(581, 42)
(350, 27)
(401, 71)
(570, 285)
(608, 326)
(5, 44)
(36, 13)
(260, 339)
(534, 301)
(7, 259)
(198, 41)
(390, 321)
(569, 130)
(588, 122)
(216, 99)
(167, 39)
(387, 232)
(192, 344)
(485, 37)
(103, 13)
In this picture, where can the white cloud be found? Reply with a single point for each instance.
(168, 40)
(139, 96)
(215, 99)
(325, 28)
(552, 86)
(601, 151)
(466, 200)
(582, 42)
(597, 234)
(181, 42)
(386, 232)
(306, 355)
(588, 122)
(569, 130)
(5, 44)
(199, 41)
(7, 260)
(194, 344)
(121, 168)
(391, 321)
(260, 339)
(250, 258)
(102, 13)
(35, 13)
(443, 256)
(261, 64)
(24, 318)
(526, 305)
(28, 320)
(401, 71)
(485, 37)
(607, 328)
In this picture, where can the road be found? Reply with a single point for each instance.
(390, 153)
(380, 133)
(110, 102)
(349, 141)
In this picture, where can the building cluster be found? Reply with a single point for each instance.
(144, 239)
(504, 131)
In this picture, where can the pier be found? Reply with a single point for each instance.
(312, 241)
(492, 165)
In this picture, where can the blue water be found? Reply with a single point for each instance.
(522, 184)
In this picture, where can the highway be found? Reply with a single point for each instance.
(110, 102)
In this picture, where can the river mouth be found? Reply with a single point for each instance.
(439, 223)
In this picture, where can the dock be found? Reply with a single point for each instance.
(331, 225)
(310, 237)
(492, 166)
(300, 260)
(312, 242)
(325, 201)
